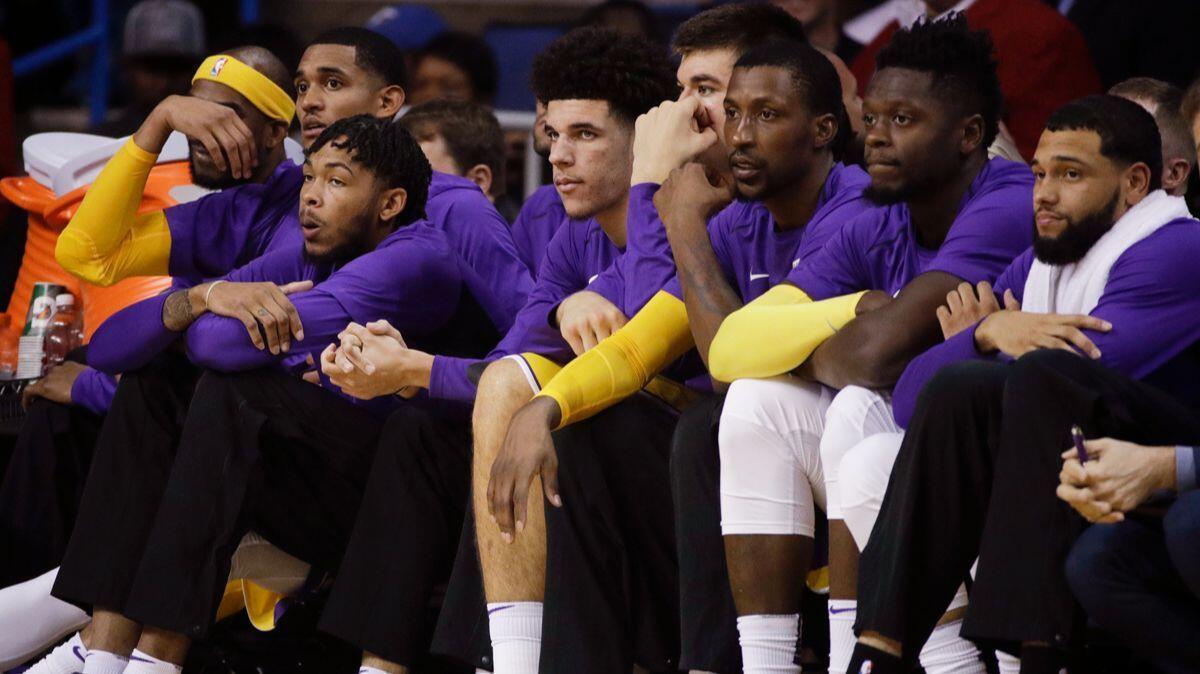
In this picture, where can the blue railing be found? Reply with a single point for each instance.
(95, 36)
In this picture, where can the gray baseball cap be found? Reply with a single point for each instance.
(164, 28)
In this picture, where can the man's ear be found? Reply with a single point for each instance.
(826, 129)
(481, 174)
(1137, 183)
(391, 99)
(392, 203)
(274, 134)
(973, 130)
(1175, 173)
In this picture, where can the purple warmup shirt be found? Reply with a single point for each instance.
(1150, 300)
(226, 230)
(879, 250)
(539, 219)
(577, 254)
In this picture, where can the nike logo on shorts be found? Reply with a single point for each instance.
(755, 277)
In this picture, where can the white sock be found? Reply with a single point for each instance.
(32, 621)
(1009, 664)
(370, 670)
(842, 614)
(769, 643)
(948, 653)
(144, 663)
(516, 629)
(66, 659)
(103, 662)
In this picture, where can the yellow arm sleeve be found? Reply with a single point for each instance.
(776, 333)
(107, 240)
(621, 365)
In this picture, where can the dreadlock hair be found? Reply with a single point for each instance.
(373, 52)
(388, 151)
(814, 77)
(470, 131)
(1128, 134)
(593, 63)
(736, 26)
(960, 62)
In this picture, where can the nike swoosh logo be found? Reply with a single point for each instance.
(755, 277)
(795, 263)
(835, 611)
(78, 653)
(593, 278)
(499, 609)
(134, 657)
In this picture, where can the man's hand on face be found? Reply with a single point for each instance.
(1015, 333)
(586, 319)
(1119, 477)
(223, 134)
(964, 307)
(689, 197)
(372, 361)
(528, 451)
(55, 385)
(668, 136)
(255, 304)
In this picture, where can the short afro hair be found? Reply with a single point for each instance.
(471, 133)
(1128, 134)
(592, 63)
(1167, 98)
(373, 52)
(959, 60)
(469, 54)
(387, 150)
(736, 26)
(814, 77)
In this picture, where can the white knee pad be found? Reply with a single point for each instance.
(855, 414)
(771, 479)
(865, 472)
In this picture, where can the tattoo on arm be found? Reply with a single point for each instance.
(177, 312)
(706, 292)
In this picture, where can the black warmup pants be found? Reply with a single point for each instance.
(43, 486)
(611, 576)
(403, 544)
(707, 615)
(126, 481)
(976, 476)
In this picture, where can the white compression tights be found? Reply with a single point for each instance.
(32, 621)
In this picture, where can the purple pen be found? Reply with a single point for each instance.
(1077, 438)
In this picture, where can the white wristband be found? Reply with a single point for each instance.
(208, 292)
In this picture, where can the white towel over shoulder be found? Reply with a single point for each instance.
(1076, 288)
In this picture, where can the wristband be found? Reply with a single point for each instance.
(208, 292)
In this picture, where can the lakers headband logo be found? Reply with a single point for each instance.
(262, 93)
(218, 66)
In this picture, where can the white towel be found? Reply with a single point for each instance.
(1076, 288)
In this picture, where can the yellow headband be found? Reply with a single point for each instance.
(255, 86)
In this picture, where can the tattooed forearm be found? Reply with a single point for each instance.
(706, 293)
(177, 312)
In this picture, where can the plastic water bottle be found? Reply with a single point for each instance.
(65, 332)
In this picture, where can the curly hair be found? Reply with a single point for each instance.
(601, 64)
(471, 133)
(960, 61)
(389, 151)
(736, 26)
(814, 77)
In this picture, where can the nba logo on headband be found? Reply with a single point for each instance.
(218, 66)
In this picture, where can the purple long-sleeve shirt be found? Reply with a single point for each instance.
(540, 217)
(879, 250)
(1150, 299)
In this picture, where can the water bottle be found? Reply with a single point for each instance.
(65, 332)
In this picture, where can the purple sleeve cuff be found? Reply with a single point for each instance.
(132, 337)
(93, 390)
(449, 379)
(960, 347)
(1185, 468)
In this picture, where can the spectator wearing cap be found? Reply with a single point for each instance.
(163, 43)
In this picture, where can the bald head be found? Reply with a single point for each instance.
(267, 63)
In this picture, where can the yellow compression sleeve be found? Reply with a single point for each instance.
(107, 240)
(776, 333)
(624, 363)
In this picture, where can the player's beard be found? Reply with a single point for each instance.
(204, 174)
(357, 242)
(1077, 238)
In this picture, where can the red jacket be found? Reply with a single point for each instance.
(1043, 62)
